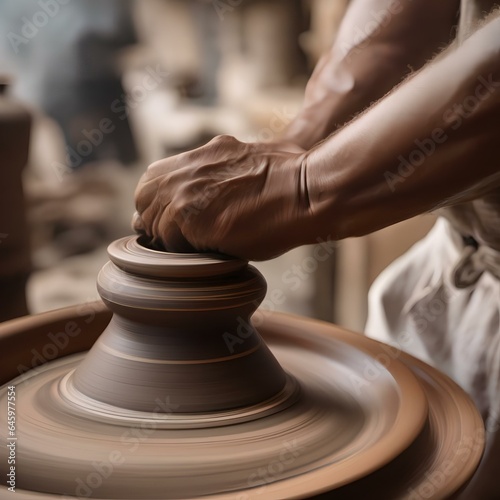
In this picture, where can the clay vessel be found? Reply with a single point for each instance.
(179, 396)
(181, 329)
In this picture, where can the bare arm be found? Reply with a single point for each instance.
(377, 44)
(432, 142)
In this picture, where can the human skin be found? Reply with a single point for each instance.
(379, 42)
(383, 180)
(256, 202)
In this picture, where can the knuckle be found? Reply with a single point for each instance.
(154, 169)
(139, 201)
(166, 185)
(160, 168)
(143, 196)
(224, 139)
(137, 223)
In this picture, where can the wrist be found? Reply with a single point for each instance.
(287, 208)
(314, 220)
(285, 144)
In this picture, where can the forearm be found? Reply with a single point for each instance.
(432, 142)
(377, 44)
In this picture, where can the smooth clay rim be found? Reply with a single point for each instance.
(130, 255)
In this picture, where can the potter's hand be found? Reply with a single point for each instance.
(241, 199)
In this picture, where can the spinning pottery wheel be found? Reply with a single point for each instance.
(180, 397)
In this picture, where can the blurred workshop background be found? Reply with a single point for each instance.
(92, 91)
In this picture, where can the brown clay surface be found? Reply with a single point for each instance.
(452, 423)
(176, 316)
(163, 407)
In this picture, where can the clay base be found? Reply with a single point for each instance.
(347, 431)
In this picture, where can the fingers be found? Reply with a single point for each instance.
(138, 224)
(154, 219)
(164, 234)
(153, 197)
(171, 236)
(169, 196)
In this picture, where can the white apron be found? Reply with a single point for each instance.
(441, 302)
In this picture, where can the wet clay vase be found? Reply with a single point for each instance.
(181, 330)
(185, 394)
